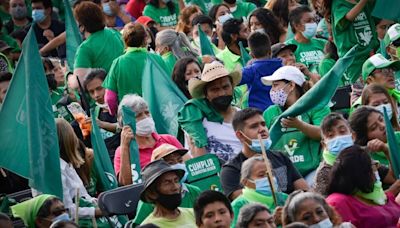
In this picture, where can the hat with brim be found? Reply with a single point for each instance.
(278, 47)
(211, 72)
(152, 171)
(377, 61)
(289, 73)
(392, 34)
(144, 20)
(165, 150)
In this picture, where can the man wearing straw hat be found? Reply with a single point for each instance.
(207, 118)
(249, 124)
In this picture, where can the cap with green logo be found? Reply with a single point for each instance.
(392, 34)
(377, 61)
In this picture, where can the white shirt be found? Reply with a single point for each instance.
(71, 182)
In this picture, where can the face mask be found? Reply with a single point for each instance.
(171, 202)
(388, 109)
(222, 19)
(263, 187)
(377, 196)
(18, 12)
(309, 30)
(107, 9)
(261, 30)
(62, 217)
(222, 103)
(326, 223)
(183, 167)
(38, 15)
(256, 146)
(279, 97)
(244, 42)
(145, 127)
(339, 143)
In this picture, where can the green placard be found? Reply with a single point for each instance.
(204, 172)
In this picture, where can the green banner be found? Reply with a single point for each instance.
(393, 146)
(73, 36)
(205, 44)
(129, 118)
(204, 172)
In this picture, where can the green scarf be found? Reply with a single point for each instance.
(28, 210)
(253, 196)
(377, 196)
(329, 158)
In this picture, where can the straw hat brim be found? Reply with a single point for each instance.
(196, 86)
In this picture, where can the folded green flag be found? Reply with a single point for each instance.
(393, 146)
(318, 96)
(387, 9)
(129, 118)
(205, 44)
(163, 96)
(245, 57)
(73, 36)
(102, 162)
(28, 131)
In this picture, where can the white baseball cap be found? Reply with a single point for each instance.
(289, 73)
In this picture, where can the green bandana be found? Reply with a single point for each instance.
(329, 158)
(377, 195)
(28, 210)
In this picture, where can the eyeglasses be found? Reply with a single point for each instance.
(385, 71)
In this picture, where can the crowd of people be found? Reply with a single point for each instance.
(331, 166)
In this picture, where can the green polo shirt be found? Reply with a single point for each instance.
(99, 50)
(326, 64)
(162, 16)
(310, 54)
(346, 34)
(125, 76)
(302, 151)
(230, 59)
(145, 209)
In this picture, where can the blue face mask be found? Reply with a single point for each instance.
(107, 9)
(326, 223)
(256, 146)
(263, 187)
(388, 109)
(310, 29)
(38, 15)
(62, 217)
(339, 143)
(183, 167)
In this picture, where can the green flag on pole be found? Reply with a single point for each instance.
(164, 98)
(102, 162)
(245, 57)
(73, 36)
(129, 118)
(387, 9)
(393, 146)
(28, 131)
(205, 44)
(318, 96)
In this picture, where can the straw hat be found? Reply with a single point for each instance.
(166, 149)
(211, 72)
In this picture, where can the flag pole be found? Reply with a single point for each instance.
(77, 206)
(269, 171)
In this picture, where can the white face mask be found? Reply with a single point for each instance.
(145, 127)
(222, 19)
(326, 223)
(388, 109)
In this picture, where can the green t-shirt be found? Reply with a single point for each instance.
(145, 209)
(347, 34)
(169, 60)
(186, 219)
(326, 64)
(10, 41)
(310, 54)
(205, 5)
(243, 9)
(162, 16)
(4, 15)
(99, 50)
(302, 151)
(230, 59)
(125, 75)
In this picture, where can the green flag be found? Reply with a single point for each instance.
(129, 118)
(387, 9)
(164, 98)
(205, 44)
(102, 162)
(393, 146)
(245, 57)
(318, 96)
(28, 132)
(73, 38)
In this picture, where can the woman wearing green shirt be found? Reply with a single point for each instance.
(164, 12)
(302, 134)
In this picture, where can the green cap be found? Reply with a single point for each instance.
(392, 34)
(377, 61)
